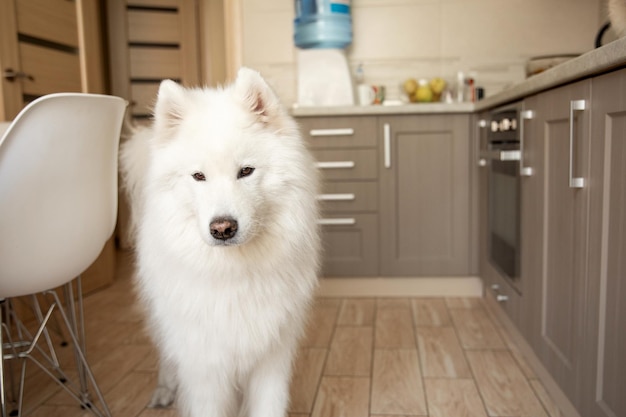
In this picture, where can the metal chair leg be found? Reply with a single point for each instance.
(85, 366)
(3, 407)
(73, 325)
(23, 349)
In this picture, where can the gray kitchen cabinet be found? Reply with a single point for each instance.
(346, 152)
(531, 216)
(605, 354)
(479, 166)
(424, 195)
(555, 213)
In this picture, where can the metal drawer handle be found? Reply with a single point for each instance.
(501, 298)
(524, 171)
(337, 222)
(501, 155)
(335, 165)
(575, 105)
(336, 197)
(332, 132)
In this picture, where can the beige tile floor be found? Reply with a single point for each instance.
(437, 357)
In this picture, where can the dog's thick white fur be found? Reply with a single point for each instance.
(222, 192)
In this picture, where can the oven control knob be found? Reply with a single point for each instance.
(513, 124)
(505, 125)
(494, 126)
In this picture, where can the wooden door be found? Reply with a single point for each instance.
(558, 289)
(605, 356)
(48, 46)
(152, 40)
(424, 196)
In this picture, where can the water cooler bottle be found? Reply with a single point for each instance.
(322, 31)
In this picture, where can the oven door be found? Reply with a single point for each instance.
(504, 216)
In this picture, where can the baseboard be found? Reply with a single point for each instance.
(401, 287)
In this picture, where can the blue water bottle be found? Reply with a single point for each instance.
(322, 24)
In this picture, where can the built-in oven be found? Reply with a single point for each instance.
(504, 193)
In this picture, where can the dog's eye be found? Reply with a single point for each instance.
(198, 176)
(244, 172)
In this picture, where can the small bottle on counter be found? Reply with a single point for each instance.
(480, 93)
(471, 90)
(460, 87)
(365, 93)
(466, 89)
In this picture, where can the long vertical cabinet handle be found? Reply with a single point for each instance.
(575, 105)
(387, 144)
(480, 161)
(524, 171)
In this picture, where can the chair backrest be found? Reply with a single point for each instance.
(58, 189)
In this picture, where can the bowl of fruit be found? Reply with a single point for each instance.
(423, 90)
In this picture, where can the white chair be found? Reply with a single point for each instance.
(58, 207)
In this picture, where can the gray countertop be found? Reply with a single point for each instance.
(596, 61)
(412, 108)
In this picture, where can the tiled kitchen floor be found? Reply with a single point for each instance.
(362, 357)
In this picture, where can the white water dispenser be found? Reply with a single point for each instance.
(322, 31)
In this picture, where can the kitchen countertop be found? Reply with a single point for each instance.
(408, 108)
(596, 61)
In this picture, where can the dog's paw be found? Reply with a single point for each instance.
(162, 397)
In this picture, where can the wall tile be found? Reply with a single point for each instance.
(521, 27)
(268, 37)
(394, 32)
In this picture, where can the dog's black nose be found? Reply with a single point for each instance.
(223, 228)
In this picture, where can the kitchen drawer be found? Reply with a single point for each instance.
(337, 164)
(350, 245)
(344, 197)
(339, 132)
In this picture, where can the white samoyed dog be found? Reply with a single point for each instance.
(223, 201)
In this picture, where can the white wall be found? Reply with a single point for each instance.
(398, 39)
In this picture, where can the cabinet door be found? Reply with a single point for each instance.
(605, 360)
(479, 167)
(532, 177)
(558, 288)
(424, 195)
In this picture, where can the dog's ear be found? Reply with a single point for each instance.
(256, 95)
(168, 110)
